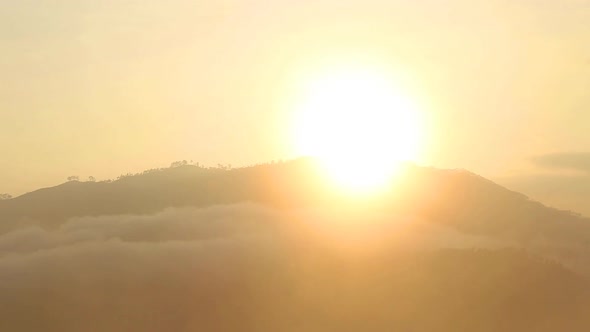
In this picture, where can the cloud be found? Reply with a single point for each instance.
(569, 161)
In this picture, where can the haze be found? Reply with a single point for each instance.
(289, 166)
(104, 88)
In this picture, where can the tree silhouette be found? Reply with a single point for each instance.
(178, 163)
(73, 178)
(5, 197)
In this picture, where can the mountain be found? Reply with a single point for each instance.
(455, 198)
(266, 252)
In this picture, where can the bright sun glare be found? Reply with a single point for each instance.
(359, 125)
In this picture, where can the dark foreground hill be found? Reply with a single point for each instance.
(455, 198)
(204, 287)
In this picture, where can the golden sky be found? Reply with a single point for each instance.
(108, 87)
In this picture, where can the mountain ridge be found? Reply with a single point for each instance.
(458, 198)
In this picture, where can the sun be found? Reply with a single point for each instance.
(359, 125)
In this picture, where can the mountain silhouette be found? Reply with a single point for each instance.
(455, 198)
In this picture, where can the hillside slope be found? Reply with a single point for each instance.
(455, 198)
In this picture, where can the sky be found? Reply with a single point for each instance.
(109, 87)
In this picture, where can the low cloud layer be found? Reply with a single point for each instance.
(251, 268)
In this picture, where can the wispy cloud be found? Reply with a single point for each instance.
(570, 161)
